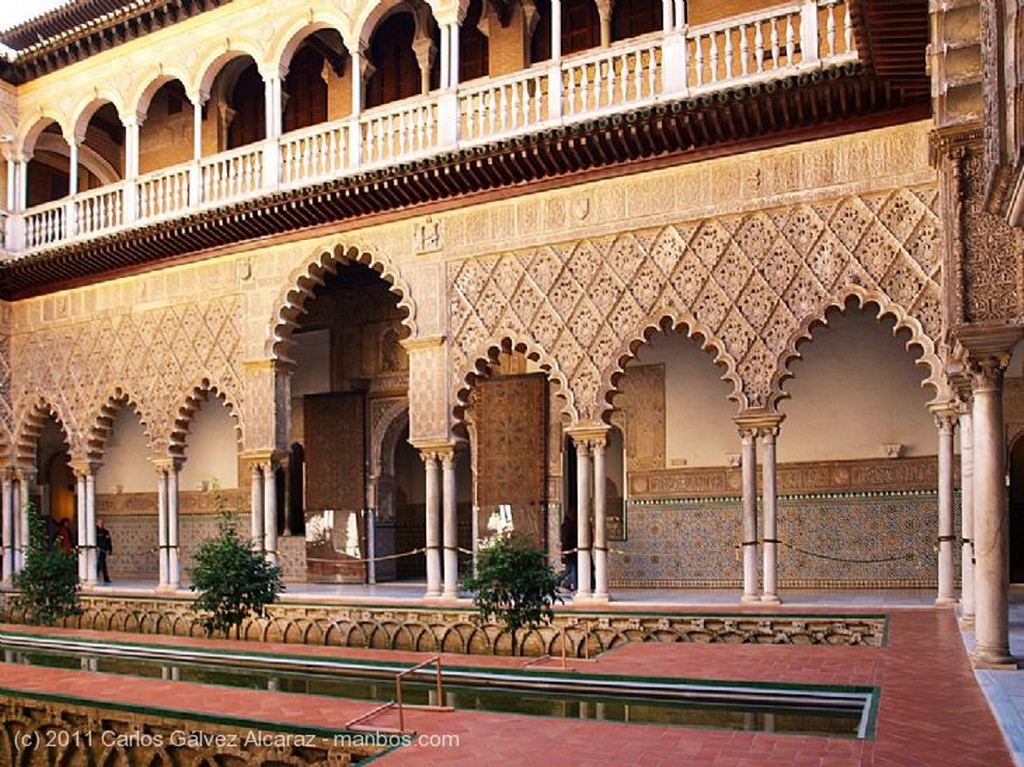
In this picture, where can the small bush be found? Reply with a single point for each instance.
(514, 585)
(47, 585)
(234, 581)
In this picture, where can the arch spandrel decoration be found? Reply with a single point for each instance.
(748, 281)
(156, 355)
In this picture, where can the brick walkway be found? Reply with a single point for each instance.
(932, 711)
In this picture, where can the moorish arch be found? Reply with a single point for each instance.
(292, 302)
(749, 279)
(862, 299)
(488, 355)
(193, 403)
(687, 327)
(31, 426)
(103, 424)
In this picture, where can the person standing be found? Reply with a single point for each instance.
(104, 547)
(568, 540)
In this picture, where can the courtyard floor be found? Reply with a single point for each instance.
(934, 708)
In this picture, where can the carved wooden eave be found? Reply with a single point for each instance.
(830, 103)
(76, 31)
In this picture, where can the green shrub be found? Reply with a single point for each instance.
(513, 584)
(47, 585)
(233, 580)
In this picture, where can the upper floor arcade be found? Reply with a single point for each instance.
(305, 115)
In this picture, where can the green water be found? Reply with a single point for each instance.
(481, 693)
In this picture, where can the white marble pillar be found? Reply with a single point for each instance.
(749, 542)
(967, 512)
(7, 529)
(173, 528)
(23, 528)
(769, 500)
(991, 520)
(162, 542)
(446, 56)
(270, 514)
(22, 174)
(604, 15)
(355, 135)
(600, 523)
(433, 522)
(256, 513)
(12, 181)
(945, 420)
(455, 55)
(90, 524)
(680, 13)
(556, 30)
(73, 168)
(451, 529)
(584, 589)
(131, 168)
(81, 521)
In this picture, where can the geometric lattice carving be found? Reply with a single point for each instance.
(751, 284)
(156, 358)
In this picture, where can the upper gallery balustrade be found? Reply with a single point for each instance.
(675, 63)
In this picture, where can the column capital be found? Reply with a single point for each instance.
(167, 464)
(988, 341)
(422, 342)
(82, 467)
(259, 459)
(439, 449)
(589, 434)
(273, 364)
(759, 420)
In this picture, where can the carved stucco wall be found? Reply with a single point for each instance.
(157, 358)
(751, 284)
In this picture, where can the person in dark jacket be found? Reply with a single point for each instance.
(104, 547)
(567, 536)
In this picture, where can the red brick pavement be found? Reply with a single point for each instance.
(932, 712)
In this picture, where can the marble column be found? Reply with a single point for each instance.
(446, 56)
(90, 524)
(945, 420)
(256, 514)
(173, 527)
(598, 448)
(453, 81)
(161, 474)
(991, 519)
(7, 529)
(770, 594)
(81, 522)
(24, 480)
(270, 513)
(556, 30)
(583, 485)
(451, 525)
(749, 542)
(433, 523)
(967, 512)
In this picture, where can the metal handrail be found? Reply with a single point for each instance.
(398, 688)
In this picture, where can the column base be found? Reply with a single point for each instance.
(967, 621)
(997, 662)
(601, 597)
(166, 588)
(433, 596)
(770, 599)
(750, 599)
(943, 601)
(581, 598)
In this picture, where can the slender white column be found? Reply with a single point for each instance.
(454, 73)
(451, 530)
(270, 514)
(90, 524)
(600, 524)
(12, 181)
(967, 512)
(991, 522)
(73, 168)
(446, 56)
(604, 15)
(749, 542)
(173, 526)
(197, 126)
(131, 168)
(161, 475)
(769, 505)
(680, 13)
(667, 15)
(23, 182)
(83, 536)
(583, 485)
(23, 529)
(7, 530)
(433, 521)
(272, 104)
(945, 420)
(556, 30)
(256, 514)
(355, 139)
